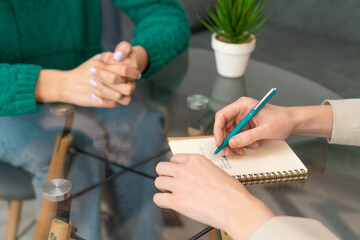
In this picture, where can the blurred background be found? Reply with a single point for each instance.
(319, 40)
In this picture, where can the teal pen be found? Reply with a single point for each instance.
(246, 119)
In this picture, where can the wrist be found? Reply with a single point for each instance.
(297, 119)
(47, 87)
(313, 121)
(249, 214)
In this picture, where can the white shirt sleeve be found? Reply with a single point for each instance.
(346, 121)
(295, 228)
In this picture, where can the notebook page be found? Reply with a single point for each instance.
(270, 156)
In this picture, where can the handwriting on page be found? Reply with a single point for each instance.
(220, 159)
(271, 156)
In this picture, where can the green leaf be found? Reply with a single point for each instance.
(236, 20)
(223, 14)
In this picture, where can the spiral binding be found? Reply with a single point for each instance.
(272, 177)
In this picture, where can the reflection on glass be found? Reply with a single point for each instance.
(119, 146)
(197, 108)
(160, 86)
(226, 91)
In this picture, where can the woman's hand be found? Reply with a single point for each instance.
(271, 122)
(79, 86)
(105, 80)
(196, 188)
(127, 55)
(127, 62)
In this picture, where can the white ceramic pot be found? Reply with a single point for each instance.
(231, 58)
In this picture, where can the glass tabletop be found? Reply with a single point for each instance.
(331, 193)
(195, 73)
(115, 151)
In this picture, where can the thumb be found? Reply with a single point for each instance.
(247, 137)
(122, 51)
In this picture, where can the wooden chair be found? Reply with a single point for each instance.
(56, 169)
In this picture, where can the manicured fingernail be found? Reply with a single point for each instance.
(118, 55)
(93, 83)
(234, 142)
(93, 70)
(99, 55)
(139, 76)
(94, 97)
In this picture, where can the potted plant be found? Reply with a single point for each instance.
(235, 25)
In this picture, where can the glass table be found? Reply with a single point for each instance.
(331, 193)
(113, 146)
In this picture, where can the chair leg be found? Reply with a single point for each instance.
(13, 220)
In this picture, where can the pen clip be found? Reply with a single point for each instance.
(264, 98)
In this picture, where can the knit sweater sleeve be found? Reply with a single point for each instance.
(161, 28)
(18, 88)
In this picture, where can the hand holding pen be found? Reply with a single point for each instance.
(271, 122)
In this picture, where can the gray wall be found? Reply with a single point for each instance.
(331, 18)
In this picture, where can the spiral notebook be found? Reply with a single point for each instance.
(272, 161)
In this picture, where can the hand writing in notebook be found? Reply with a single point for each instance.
(196, 188)
(272, 122)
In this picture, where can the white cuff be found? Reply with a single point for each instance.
(346, 121)
(284, 227)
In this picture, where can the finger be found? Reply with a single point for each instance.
(131, 60)
(106, 75)
(104, 91)
(179, 158)
(164, 184)
(96, 57)
(125, 70)
(223, 122)
(125, 100)
(122, 50)
(239, 151)
(126, 89)
(101, 102)
(107, 57)
(114, 81)
(108, 93)
(226, 117)
(166, 169)
(248, 137)
(253, 145)
(219, 127)
(163, 200)
(227, 151)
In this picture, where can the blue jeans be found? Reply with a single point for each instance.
(127, 135)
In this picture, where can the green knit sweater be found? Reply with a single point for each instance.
(61, 34)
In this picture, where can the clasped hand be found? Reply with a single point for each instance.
(109, 78)
(105, 80)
